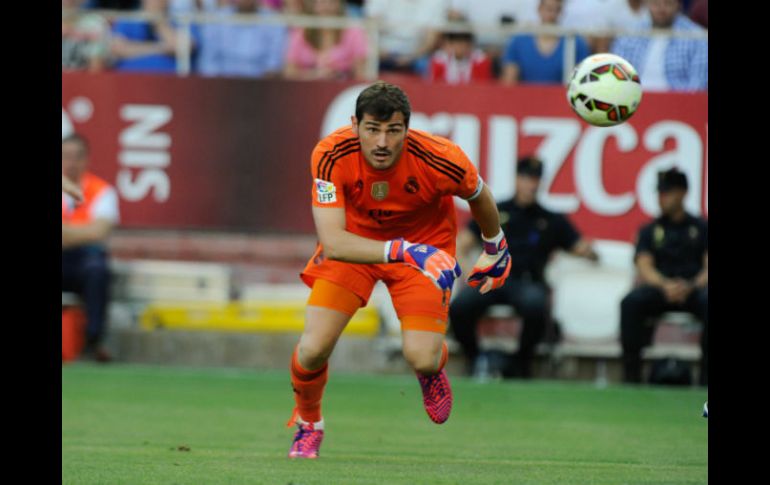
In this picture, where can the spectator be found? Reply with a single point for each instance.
(602, 15)
(699, 13)
(242, 50)
(326, 53)
(84, 44)
(667, 63)
(495, 14)
(672, 265)
(459, 61)
(409, 32)
(533, 234)
(540, 58)
(85, 229)
(146, 45)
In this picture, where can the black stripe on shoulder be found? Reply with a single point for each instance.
(449, 163)
(434, 165)
(440, 161)
(333, 160)
(329, 153)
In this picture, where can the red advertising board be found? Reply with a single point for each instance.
(233, 154)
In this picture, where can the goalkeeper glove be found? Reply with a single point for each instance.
(434, 263)
(493, 266)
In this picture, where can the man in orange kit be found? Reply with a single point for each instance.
(383, 210)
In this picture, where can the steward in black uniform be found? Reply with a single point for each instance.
(533, 233)
(672, 262)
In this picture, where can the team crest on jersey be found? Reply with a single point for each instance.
(411, 185)
(325, 191)
(380, 190)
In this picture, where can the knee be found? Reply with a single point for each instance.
(313, 354)
(634, 301)
(421, 359)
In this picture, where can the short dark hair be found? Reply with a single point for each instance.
(671, 179)
(460, 36)
(77, 138)
(381, 100)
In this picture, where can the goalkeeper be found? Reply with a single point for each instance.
(383, 210)
(533, 234)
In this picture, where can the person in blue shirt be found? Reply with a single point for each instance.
(540, 58)
(146, 45)
(242, 50)
(667, 64)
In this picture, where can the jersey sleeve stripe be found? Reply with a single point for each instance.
(334, 159)
(439, 160)
(324, 161)
(433, 165)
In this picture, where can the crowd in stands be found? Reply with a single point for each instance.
(410, 39)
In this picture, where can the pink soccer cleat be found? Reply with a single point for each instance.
(307, 440)
(436, 396)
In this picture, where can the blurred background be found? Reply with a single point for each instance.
(200, 116)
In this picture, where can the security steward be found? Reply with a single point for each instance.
(672, 264)
(533, 234)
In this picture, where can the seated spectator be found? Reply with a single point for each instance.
(408, 32)
(84, 44)
(326, 53)
(540, 58)
(85, 228)
(146, 45)
(672, 263)
(242, 50)
(459, 61)
(663, 63)
(495, 14)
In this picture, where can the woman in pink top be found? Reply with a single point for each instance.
(326, 53)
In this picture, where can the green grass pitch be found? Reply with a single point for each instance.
(128, 424)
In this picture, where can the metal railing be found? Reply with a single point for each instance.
(184, 22)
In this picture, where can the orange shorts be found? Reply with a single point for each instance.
(345, 287)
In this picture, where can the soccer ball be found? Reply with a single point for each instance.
(604, 90)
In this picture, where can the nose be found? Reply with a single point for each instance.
(382, 140)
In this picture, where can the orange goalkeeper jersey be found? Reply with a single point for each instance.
(412, 199)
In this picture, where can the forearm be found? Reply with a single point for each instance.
(72, 236)
(351, 248)
(701, 279)
(584, 249)
(484, 211)
(652, 277)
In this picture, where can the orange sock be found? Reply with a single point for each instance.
(444, 356)
(308, 390)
